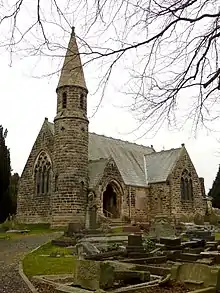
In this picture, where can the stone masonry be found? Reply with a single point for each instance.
(67, 164)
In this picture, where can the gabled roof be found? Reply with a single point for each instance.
(96, 171)
(160, 164)
(72, 70)
(50, 126)
(129, 157)
(137, 164)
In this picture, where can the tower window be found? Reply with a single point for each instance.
(64, 100)
(81, 188)
(81, 101)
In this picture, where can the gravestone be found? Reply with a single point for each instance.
(93, 275)
(161, 227)
(91, 213)
(200, 234)
(73, 228)
(86, 248)
(197, 275)
(135, 240)
(135, 243)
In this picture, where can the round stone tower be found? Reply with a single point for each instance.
(70, 159)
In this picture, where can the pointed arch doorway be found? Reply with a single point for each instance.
(111, 201)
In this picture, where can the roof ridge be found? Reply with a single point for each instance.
(98, 160)
(113, 138)
(118, 139)
(163, 151)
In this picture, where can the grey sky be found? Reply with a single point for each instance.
(26, 101)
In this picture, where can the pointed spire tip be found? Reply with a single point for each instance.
(73, 31)
(72, 72)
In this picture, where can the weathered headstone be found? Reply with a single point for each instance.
(135, 243)
(161, 227)
(197, 275)
(200, 234)
(86, 248)
(135, 240)
(93, 275)
(73, 228)
(91, 213)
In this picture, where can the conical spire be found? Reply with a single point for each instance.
(72, 71)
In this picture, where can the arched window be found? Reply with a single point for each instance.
(182, 188)
(186, 186)
(64, 100)
(42, 174)
(81, 101)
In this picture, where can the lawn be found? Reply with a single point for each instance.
(33, 229)
(36, 264)
(217, 236)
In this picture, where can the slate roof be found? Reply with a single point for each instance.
(129, 157)
(160, 164)
(96, 170)
(137, 164)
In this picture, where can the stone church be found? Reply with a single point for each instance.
(72, 175)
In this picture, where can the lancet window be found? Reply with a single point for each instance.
(42, 173)
(186, 186)
(64, 100)
(82, 101)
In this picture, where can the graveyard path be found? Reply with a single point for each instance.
(11, 252)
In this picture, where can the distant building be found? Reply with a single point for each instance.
(69, 168)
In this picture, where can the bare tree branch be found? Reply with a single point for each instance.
(165, 50)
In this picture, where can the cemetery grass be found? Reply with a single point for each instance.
(45, 261)
(33, 229)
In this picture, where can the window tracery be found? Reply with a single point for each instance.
(42, 174)
(186, 186)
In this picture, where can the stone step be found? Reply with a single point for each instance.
(117, 222)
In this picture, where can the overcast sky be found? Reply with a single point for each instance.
(26, 101)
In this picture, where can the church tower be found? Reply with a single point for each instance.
(70, 182)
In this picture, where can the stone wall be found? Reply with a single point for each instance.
(33, 208)
(141, 209)
(165, 197)
(69, 199)
(186, 207)
(112, 176)
(160, 199)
